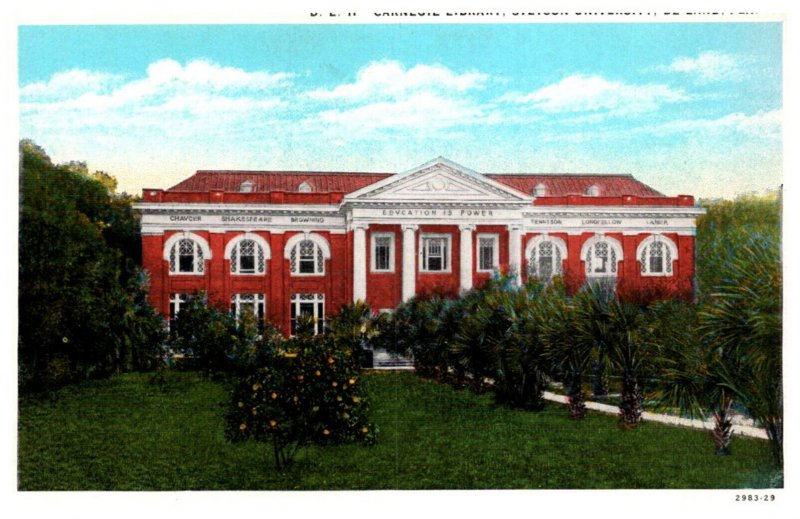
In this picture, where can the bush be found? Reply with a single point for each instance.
(82, 307)
(208, 336)
(351, 329)
(304, 391)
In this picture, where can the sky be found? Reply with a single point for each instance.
(687, 108)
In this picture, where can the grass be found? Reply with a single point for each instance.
(127, 433)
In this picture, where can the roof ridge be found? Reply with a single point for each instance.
(285, 172)
(628, 175)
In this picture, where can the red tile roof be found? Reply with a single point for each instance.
(347, 182)
(576, 184)
(266, 181)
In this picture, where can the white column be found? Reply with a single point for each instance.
(359, 262)
(465, 256)
(409, 262)
(515, 252)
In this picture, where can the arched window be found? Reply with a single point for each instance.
(601, 254)
(656, 254)
(186, 253)
(307, 254)
(545, 256)
(248, 254)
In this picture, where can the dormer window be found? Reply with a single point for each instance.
(305, 187)
(246, 186)
(539, 190)
(593, 190)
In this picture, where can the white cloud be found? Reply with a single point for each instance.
(70, 83)
(387, 96)
(171, 95)
(425, 112)
(582, 93)
(389, 79)
(205, 74)
(708, 66)
(761, 125)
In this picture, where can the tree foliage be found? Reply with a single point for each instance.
(82, 309)
(303, 390)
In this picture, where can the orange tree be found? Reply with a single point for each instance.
(304, 390)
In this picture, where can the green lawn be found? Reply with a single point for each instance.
(129, 434)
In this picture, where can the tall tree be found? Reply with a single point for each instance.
(70, 275)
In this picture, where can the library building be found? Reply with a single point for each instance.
(280, 244)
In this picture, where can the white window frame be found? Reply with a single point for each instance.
(318, 302)
(321, 250)
(532, 254)
(172, 248)
(615, 247)
(643, 256)
(495, 252)
(176, 301)
(374, 248)
(235, 244)
(447, 254)
(259, 302)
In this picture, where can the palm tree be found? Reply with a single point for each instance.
(500, 340)
(742, 319)
(690, 371)
(627, 351)
(617, 331)
(568, 355)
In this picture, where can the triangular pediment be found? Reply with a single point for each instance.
(440, 180)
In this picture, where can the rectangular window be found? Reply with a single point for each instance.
(656, 264)
(310, 305)
(247, 257)
(488, 253)
(383, 252)
(545, 267)
(176, 301)
(435, 253)
(251, 305)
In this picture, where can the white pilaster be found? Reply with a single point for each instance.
(359, 262)
(409, 262)
(515, 252)
(465, 263)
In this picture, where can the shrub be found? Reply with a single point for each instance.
(500, 339)
(207, 335)
(304, 391)
(351, 329)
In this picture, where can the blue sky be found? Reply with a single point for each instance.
(685, 107)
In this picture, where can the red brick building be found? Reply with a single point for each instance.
(280, 244)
